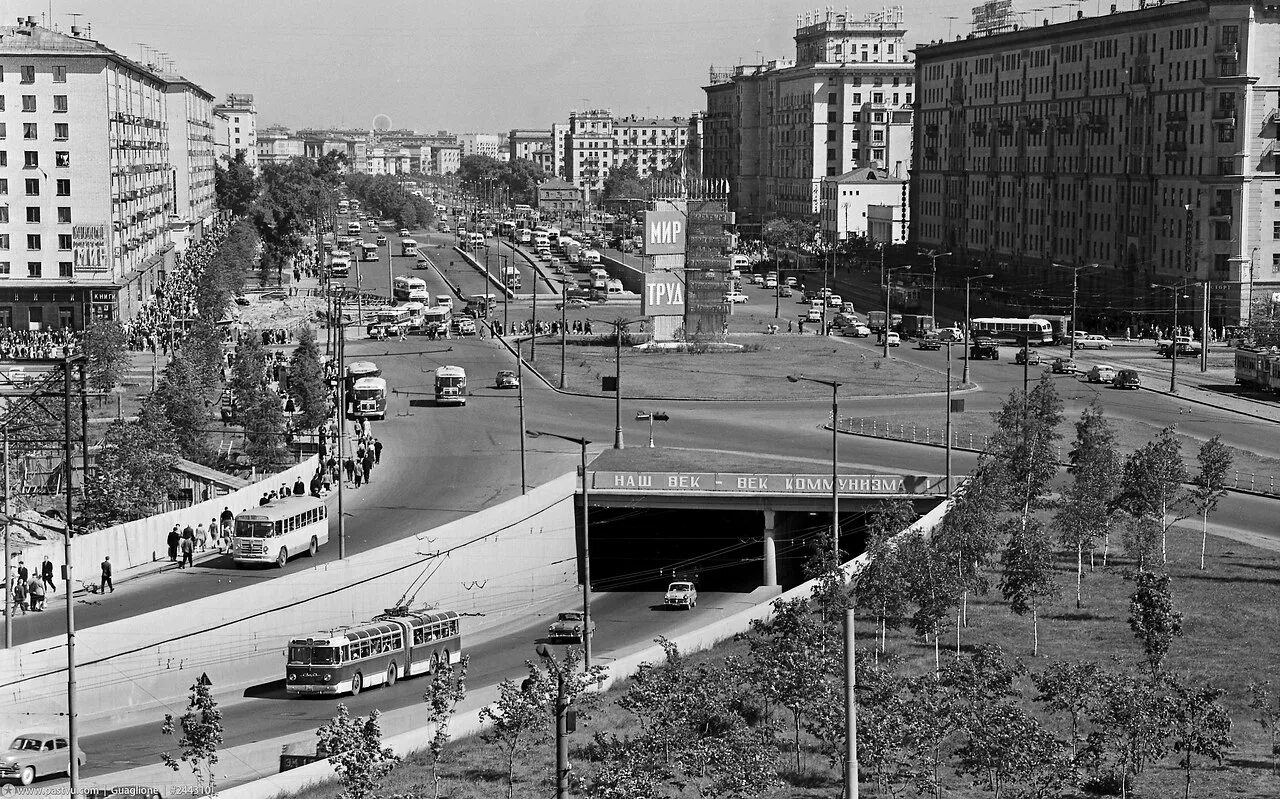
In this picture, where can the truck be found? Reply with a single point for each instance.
(875, 321)
(572, 251)
(511, 278)
(917, 325)
(1061, 324)
(984, 348)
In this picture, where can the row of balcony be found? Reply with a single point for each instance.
(138, 144)
(133, 119)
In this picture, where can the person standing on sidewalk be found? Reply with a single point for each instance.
(173, 540)
(377, 451)
(188, 550)
(106, 583)
(46, 575)
(35, 589)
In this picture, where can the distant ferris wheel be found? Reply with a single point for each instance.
(382, 122)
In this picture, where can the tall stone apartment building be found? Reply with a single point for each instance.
(597, 142)
(775, 130)
(98, 155)
(1143, 141)
(235, 122)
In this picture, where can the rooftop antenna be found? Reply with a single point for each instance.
(75, 18)
(948, 19)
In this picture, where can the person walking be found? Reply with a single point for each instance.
(188, 551)
(349, 466)
(173, 540)
(202, 537)
(366, 466)
(46, 575)
(358, 475)
(23, 573)
(226, 515)
(105, 582)
(377, 451)
(20, 595)
(35, 589)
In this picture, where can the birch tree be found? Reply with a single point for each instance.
(1210, 485)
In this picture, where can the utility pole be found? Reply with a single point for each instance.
(1204, 330)
(533, 341)
(342, 427)
(8, 581)
(948, 423)
(73, 766)
(524, 480)
(851, 705)
(564, 305)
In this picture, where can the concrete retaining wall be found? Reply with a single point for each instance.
(629, 273)
(496, 562)
(142, 541)
(469, 723)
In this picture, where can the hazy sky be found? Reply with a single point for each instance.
(483, 65)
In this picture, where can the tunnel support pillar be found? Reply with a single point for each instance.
(770, 558)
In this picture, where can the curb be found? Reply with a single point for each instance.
(1208, 404)
(534, 265)
(471, 260)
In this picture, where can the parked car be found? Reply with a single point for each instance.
(37, 754)
(1093, 340)
(1127, 378)
(507, 379)
(1063, 366)
(929, 341)
(734, 297)
(834, 301)
(569, 626)
(1101, 373)
(1029, 357)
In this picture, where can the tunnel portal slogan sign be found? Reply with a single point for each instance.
(768, 484)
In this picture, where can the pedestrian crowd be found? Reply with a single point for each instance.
(26, 588)
(152, 328)
(527, 327)
(17, 345)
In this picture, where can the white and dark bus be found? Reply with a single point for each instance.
(277, 531)
(1034, 331)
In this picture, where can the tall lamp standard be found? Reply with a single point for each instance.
(850, 684)
(618, 326)
(968, 281)
(586, 541)
(933, 283)
(1177, 290)
(888, 292)
(1075, 285)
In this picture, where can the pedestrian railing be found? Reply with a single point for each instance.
(935, 435)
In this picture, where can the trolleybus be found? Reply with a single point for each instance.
(277, 531)
(1258, 368)
(451, 385)
(402, 642)
(1034, 331)
(407, 287)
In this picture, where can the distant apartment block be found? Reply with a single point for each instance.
(236, 125)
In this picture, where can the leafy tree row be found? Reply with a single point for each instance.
(519, 178)
(384, 197)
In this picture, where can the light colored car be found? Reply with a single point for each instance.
(681, 594)
(770, 283)
(834, 301)
(382, 241)
(37, 754)
(507, 379)
(1029, 357)
(813, 315)
(1101, 373)
(894, 339)
(791, 281)
(950, 334)
(544, 255)
(554, 263)
(404, 233)
(1063, 366)
(734, 297)
(857, 330)
(465, 326)
(1093, 340)
(569, 626)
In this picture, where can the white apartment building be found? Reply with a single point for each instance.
(189, 115)
(277, 144)
(446, 160)
(87, 178)
(847, 200)
(559, 135)
(598, 142)
(774, 130)
(479, 144)
(236, 125)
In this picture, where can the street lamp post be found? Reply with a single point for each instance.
(586, 541)
(933, 285)
(948, 423)
(1173, 338)
(652, 416)
(618, 326)
(1075, 285)
(835, 451)
(888, 292)
(968, 281)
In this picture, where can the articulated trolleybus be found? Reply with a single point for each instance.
(277, 531)
(399, 643)
(1035, 331)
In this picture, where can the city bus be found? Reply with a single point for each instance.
(367, 399)
(407, 287)
(1034, 331)
(408, 248)
(451, 385)
(339, 263)
(436, 320)
(389, 320)
(368, 252)
(402, 642)
(506, 229)
(359, 369)
(277, 531)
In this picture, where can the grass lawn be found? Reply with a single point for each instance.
(1229, 640)
(757, 372)
(971, 430)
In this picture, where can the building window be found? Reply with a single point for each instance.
(64, 214)
(1275, 263)
(33, 215)
(31, 159)
(29, 103)
(33, 241)
(29, 130)
(33, 269)
(5, 269)
(61, 131)
(877, 97)
(64, 187)
(62, 158)
(4, 241)
(60, 103)
(1275, 230)
(65, 270)
(1230, 35)
(28, 74)
(33, 187)
(4, 214)
(64, 241)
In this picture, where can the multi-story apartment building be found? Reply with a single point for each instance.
(774, 130)
(559, 134)
(525, 143)
(236, 127)
(189, 115)
(87, 178)
(1143, 142)
(479, 144)
(354, 144)
(277, 144)
(588, 149)
(650, 145)
(446, 160)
